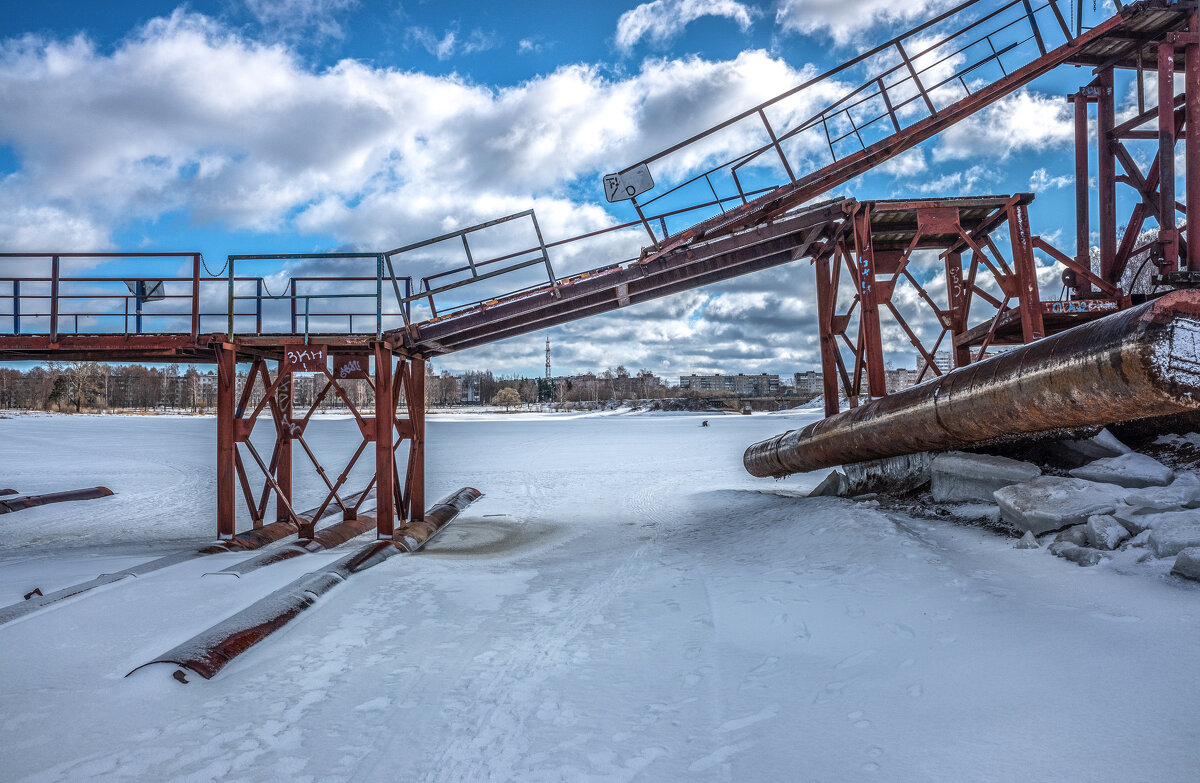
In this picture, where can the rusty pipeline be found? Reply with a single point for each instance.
(11, 501)
(325, 538)
(247, 540)
(413, 536)
(274, 531)
(210, 651)
(1135, 364)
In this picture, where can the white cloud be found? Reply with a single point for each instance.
(1041, 180)
(848, 20)
(957, 183)
(296, 17)
(905, 164)
(187, 114)
(660, 21)
(530, 45)
(452, 42)
(1022, 121)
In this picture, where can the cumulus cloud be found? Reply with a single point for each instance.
(187, 114)
(1022, 121)
(847, 20)
(954, 183)
(660, 21)
(1041, 180)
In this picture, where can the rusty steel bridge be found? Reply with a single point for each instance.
(366, 316)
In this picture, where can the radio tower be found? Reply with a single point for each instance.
(547, 358)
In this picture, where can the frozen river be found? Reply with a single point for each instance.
(624, 603)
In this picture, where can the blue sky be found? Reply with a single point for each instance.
(255, 126)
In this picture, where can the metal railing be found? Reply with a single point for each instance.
(905, 84)
(428, 290)
(55, 297)
(294, 294)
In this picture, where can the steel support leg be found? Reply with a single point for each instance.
(1029, 300)
(1166, 155)
(956, 293)
(283, 472)
(226, 439)
(1191, 87)
(385, 514)
(1106, 175)
(1083, 218)
(869, 311)
(414, 483)
(826, 302)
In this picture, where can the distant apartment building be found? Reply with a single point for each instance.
(469, 389)
(762, 385)
(943, 360)
(810, 382)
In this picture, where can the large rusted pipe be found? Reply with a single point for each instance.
(21, 502)
(209, 651)
(1134, 364)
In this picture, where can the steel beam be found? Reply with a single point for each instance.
(385, 472)
(414, 481)
(1083, 219)
(1166, 155)
(1106, 175)
(1191, 89)
(226, 439)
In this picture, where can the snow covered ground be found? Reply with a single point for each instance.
(624, 603)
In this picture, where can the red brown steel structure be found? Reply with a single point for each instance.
(864, 252)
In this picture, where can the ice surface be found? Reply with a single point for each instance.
(1104, 532)
(1187, 563)
(957, 476)
(1027, 542)
(1077, 452)
(625, 603)
(1131, 470)
(1173, 531)
(890, 474)
(1051, 503)
(833, 485)
(1079, 555)
(1183, 492)
(1076, 534)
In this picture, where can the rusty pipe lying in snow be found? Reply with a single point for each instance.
(12, 504)
(246, 540)
(209, 651)
(1138, 363)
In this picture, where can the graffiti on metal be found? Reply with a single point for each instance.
(305, 358)
(350, 366)
(1080, 306)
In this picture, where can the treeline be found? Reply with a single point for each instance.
(92, 386)
(79, 386)
(483, 387)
